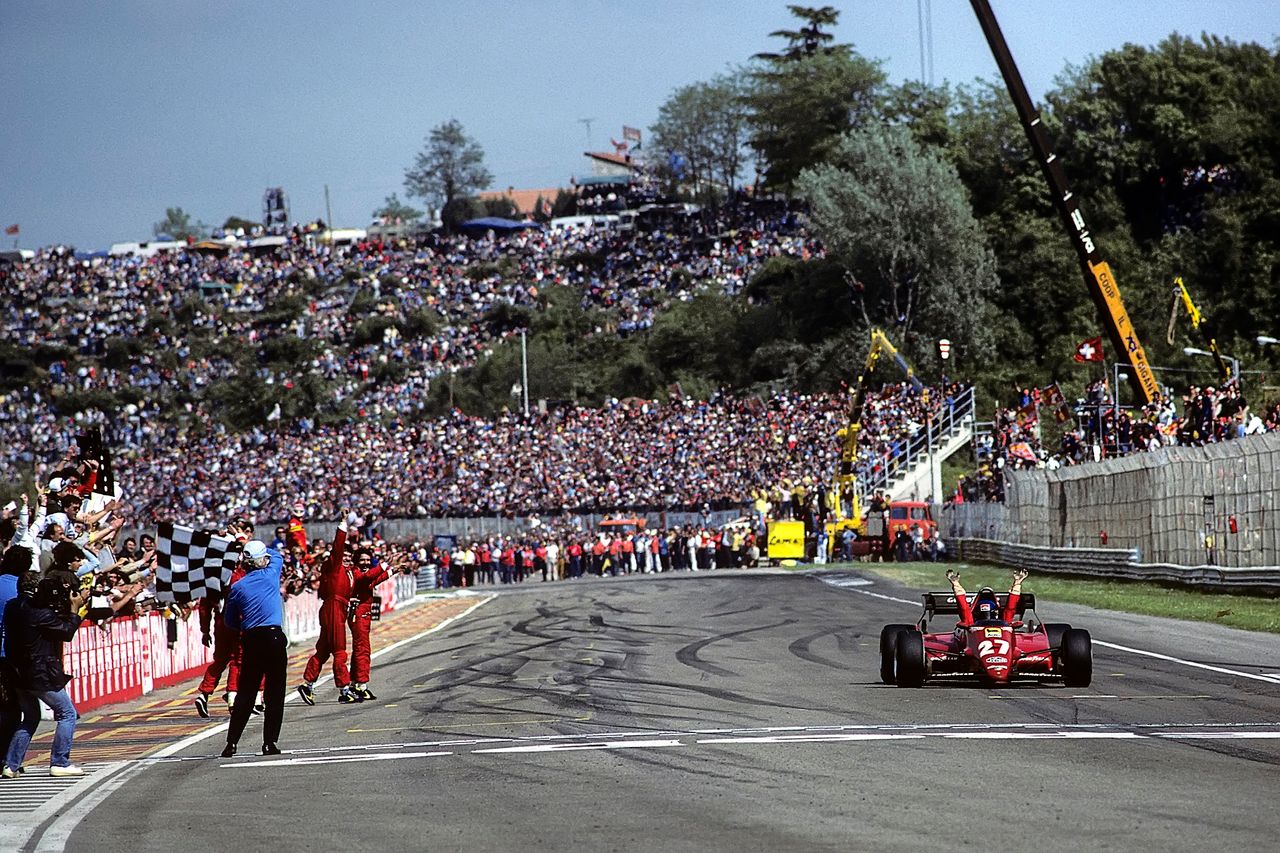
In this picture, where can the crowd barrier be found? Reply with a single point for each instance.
(480, 528)
(136, 655)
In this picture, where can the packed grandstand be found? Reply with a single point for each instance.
(110, 323)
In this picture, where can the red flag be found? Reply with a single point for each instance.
(631, 134)
(1090, 350)
(12, 229)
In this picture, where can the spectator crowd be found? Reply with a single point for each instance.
(1098, 429)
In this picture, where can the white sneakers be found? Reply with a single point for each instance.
(69, 770)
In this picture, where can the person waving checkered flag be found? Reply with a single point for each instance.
(192, 563)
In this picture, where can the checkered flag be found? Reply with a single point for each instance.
(192, 563)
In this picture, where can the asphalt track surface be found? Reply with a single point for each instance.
(718, 711)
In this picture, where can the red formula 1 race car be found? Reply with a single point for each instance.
(995, 651)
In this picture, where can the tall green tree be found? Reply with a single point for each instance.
(177, 223)
(450, 166)
(804, 97)
(898, 217)
(705, 126)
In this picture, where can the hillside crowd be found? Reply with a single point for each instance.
(161, 331)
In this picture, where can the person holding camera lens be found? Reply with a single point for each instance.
(36, 627)
(255, 608)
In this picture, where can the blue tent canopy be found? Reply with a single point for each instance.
(496, 223)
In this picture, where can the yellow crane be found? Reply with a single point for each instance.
(845, 503)
(1181, 294)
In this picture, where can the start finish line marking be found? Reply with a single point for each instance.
(777, 736)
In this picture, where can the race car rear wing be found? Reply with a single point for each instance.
(944, 603)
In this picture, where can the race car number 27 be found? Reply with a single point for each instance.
(993, 647)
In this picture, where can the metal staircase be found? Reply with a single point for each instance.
(915, 471)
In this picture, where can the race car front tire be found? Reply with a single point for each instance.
(1076, 658)
(908, 659)
(888, 642)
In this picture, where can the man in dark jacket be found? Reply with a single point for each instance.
(35, 629)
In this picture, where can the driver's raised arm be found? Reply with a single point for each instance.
(962, 600)
(1015, 593)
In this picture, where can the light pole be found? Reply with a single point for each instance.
(1235, 363)
(524, 371)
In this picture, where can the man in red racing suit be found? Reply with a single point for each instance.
(365, 578)
(335, 591)
(226, 648)
(985, 604)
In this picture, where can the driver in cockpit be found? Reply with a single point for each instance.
(985, 606)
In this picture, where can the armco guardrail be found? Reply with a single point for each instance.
(1116, 563)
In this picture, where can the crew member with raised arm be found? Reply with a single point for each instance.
(335, 592)
(365, 579)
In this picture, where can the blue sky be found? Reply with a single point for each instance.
(116, 110)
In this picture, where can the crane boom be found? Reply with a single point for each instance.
(1097, 273)
(1198, 323)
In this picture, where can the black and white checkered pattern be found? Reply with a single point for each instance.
(192, 563)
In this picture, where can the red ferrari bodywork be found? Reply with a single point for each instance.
(993, 651)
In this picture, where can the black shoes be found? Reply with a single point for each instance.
(347, 696)
(270, 749)
(229, 750)
(365, 694)
(202, 706)
(308, 695)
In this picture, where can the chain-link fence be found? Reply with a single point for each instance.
(1217, 505)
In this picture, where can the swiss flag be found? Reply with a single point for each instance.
(1090, 350)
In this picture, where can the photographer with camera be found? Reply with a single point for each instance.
(36, 627)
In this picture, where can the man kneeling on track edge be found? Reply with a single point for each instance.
(365, 578)
(986, 607)
(335, 592)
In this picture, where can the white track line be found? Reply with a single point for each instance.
(56, 836)
(1255, 676)
(175, 748)
(1194, 664)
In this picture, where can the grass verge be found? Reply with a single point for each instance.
(1250, 612)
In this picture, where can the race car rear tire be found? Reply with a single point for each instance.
(1076, 658)
(908, 659)
(1055, 630)
(888, 642)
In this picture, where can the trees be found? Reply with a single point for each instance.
(394, 210)
(705, 125)
(450, 166)
(898, 217)
(802, 99)
(178, 224)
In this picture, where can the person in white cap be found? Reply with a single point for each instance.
(255, 608)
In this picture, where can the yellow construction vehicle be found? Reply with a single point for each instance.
(844, 502)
